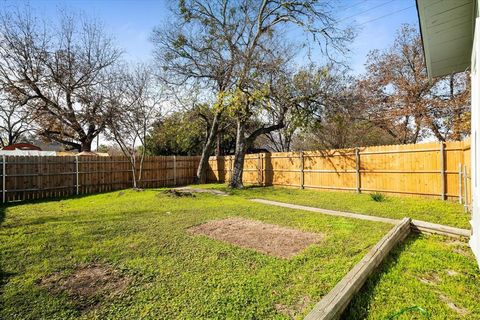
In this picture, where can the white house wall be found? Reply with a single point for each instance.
(475, 183)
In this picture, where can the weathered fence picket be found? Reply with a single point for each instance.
(33, 177)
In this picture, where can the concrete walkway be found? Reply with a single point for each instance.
(417, 225)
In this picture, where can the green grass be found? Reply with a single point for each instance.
(172, 274)
(175, 275)
(431, 210)
(435, 273)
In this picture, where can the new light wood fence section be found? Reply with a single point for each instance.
(434, 169)
(32, 177)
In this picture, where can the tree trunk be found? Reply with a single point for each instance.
(86, 144)
(218, 150)
(134, 174)
(207, 150)
(240, 149)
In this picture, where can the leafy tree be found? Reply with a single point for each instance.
(179, 133)
(184, 132)
(234, 47)
(400, 99)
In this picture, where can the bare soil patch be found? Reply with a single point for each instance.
(431, 278)
(199, 190)
(461, 311)
(266, 238)
(177, 194)
(293, 311)
(87, 285)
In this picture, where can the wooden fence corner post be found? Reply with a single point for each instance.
(442, 170)
(302, 170)
(357, 170)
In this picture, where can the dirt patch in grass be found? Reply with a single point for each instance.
(199, 190)
(293, 311)
(461, 311)
(176, 193)
(431, 278)
(266, 238)
(87, 285)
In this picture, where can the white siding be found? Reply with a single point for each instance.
(475, 182)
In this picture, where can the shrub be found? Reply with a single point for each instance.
(377, 197)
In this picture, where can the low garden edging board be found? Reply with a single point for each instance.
(336, 301)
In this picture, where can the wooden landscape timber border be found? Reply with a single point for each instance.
(336, 301)
(431, 169)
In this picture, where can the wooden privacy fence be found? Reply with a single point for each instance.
(428, 169)
(33, 177)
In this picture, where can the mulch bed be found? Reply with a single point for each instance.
(267, 238)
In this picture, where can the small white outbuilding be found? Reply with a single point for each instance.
(451, 41)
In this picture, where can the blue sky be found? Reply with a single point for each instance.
(131, 22)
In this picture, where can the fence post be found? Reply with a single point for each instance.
(4, 168)
(259, 169)
(460, 183)
(76, 176)
(231, 167)
(357, 169)
(442, 170)
(264, 169)
(465, 188)
(175, 171)
(302, 170)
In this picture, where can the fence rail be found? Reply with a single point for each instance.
(433, 169)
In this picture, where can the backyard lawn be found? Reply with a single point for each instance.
(397, 207)
(152, 254)
(435, 273)
(134, 247)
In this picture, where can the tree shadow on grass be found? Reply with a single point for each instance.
(360, 304)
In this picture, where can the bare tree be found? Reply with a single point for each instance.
(15, 122)
(60, 71)
(138, 107)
